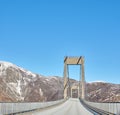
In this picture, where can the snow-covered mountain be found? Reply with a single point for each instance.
(20, 85)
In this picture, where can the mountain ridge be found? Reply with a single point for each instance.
(20, 85)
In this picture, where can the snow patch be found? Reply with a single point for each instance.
(44, 81)
(97, 82)
(41, 92)
(47, 79)
(5, 65)
(51, 77)
(28, 72)
(17, 88)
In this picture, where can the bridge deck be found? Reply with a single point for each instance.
(70, 107)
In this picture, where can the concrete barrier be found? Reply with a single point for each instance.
(108, 107)
(8, 108)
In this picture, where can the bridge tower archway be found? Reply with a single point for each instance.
(74, 61)
(75, 91)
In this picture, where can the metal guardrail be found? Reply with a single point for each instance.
(9, 108)
(102, 108)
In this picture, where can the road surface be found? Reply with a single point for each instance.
(70, 107)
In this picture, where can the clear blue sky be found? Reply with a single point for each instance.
(37, 34)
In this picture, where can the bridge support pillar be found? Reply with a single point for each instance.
(82, 79)
(65, 80)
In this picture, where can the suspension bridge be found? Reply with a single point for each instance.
(68, 105)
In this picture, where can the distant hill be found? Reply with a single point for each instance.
(103, 92)
(20, 85)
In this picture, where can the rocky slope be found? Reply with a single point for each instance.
(20, 85)
(103, 92)
(17, 84)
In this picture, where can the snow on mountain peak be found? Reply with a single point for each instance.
(97, 82)
(4, 65)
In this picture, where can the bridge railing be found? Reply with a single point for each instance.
(9, 108)
(108, 107)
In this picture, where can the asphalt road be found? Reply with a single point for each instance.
(70, 107)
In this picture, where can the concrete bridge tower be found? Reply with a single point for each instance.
(74, 61)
